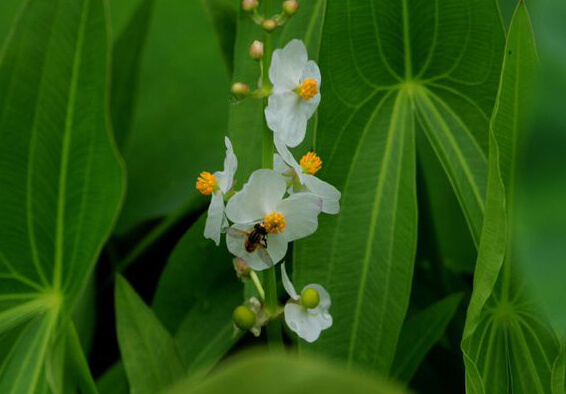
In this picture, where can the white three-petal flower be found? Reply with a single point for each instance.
(287, 112)
(306, 323)
(285, 164)
(216, 219)
(261, 196)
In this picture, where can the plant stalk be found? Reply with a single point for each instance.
(274, 336)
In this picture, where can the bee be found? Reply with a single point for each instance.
(255, 240)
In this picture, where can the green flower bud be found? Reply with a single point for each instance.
(269, 25)
(249, 5)
(310, 298)
(240, 90)
(243, 317)
(290, 7)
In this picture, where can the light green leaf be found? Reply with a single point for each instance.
(420, 333)
(62, 181)
(149, 354)
(180, 113)
(8, 12)
(391, 69)
(284, 375)
(114, 380)
(508, 343)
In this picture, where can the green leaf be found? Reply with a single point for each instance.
(541, 214)
(150, 357)
(393, 69)
(420, 333)
(284, 375)
(114, 380)
(180, 113)
(224, 16)
(195, 298)
(508, 343)
(62, 181)
(8, 12)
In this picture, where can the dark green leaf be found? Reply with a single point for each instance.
(180, 113)
(391, 69)
(149, 354)
(420, 333)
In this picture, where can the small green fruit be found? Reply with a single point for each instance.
(310, 298)
(243, 317)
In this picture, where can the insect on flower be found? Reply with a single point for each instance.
(255, 241)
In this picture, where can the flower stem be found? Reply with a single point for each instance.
(274, 337)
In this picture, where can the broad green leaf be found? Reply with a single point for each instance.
(284, 375)
(224, 16)
(508, 343)
(149, 354)
(392, 69)
(8, 12)
(541, 213)
(246, 117)
(195, 297)
(180, 113)
(420, 333)
(22, 369)
(62, 181)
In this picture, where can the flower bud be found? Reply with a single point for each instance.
(249, 5)
(290, 7)
(243, 318)
(241, 267)
(256, 50)
(240, 90)
(269, 25)
(310, 298)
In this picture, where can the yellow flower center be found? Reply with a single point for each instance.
(308, 89)
(311, 163)
(274, 222)
(206, 183)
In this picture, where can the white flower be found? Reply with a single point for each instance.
(218, 184)
(308, 323)
(285, 164)
(295, 95)
(277, 221)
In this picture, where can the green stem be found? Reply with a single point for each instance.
(274, 336)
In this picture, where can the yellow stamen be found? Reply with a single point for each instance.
(311, 163)
(274, 223)
(206, 183)
(308, 88)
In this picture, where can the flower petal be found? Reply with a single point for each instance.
(285, 115)
(287, 157)
(329, 194)
(236, 245)
(260, 196)
(311, 70)
(277, 245)
(308, 107)
(301, 215)
(280, 166)
(225, 178)
(289, 288)
(287, 65)
(215, 219)
(301, 322)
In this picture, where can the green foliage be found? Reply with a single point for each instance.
(62, 181)
(508, 343)
(150, 357)
(260, 373)
(394, 70)
(420, 333)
